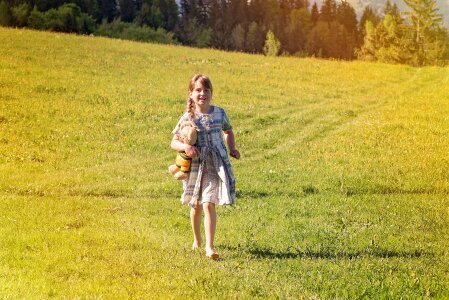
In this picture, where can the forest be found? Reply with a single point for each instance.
(332, 30)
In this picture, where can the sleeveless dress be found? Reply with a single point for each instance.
(211, 178)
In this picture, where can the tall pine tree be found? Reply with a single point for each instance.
(127, 10)
(347, 17)
(297, 30)
(314, 13)
(328, 11)
(348, 34)
(368, 15)
(430, 41)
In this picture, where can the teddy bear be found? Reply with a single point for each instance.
(188, 135)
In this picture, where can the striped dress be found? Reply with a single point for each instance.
(210, 144)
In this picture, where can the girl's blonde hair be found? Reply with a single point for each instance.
(205, 81)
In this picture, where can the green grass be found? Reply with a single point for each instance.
(342, 186)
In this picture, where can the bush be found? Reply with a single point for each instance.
(131, 31)
(36, 19)
(53, 21)
(67, 18)
(20, 14)
(68, 15)
(86, 24)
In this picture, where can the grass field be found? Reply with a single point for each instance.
(343, 184)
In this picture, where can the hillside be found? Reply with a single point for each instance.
(342, 186)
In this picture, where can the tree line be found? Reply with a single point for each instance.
(273, 27)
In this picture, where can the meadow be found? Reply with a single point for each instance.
(343, 184)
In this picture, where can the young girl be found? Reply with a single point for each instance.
(211, 180)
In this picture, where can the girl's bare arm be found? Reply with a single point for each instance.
(178, 145)
(230, 141)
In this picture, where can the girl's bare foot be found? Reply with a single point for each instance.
(210, 253)
(196, 246)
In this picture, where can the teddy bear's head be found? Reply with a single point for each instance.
(189, 132)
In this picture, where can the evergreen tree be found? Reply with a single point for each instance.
(202, 12)
(36, 19)
(143, 15)
(271, 15)
(369, 48)
(89, 7)
(293, 4)
(189, 30)
(215, 12)
(185, 8)
(287, 25)
(346, 44)
(280, 27)
(392, 10)
(127, 10)
(368, 15)
(347, 17)
(314, 13)
(107, 9)
(395, 46)
(238, 37)
(254, 38)
(317, 38)
(187, 17)
(199, 37)
(298, 4)
(156, 17)
(388, 7)
(256, 11)
(45, 5)
(217, 22)
(21, 13)
(272, 45)
(5, 14)
(236, 12)
(328, 11)
(388, 42)
(170, 14)
(332, 41)
(158, 14)
(427, 24)
(297, 30)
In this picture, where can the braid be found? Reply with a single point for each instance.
(190, 108)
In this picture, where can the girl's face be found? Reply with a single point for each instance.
(201, 95)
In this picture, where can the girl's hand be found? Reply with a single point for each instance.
(191, 151)
(234, 153)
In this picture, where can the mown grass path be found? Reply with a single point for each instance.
(343, 184)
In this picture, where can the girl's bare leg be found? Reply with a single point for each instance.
(210, 223)
(195, 220)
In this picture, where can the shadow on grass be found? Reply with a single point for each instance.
(331, 255)
(389, 190)
(305, 191)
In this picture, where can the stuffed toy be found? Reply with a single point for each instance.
(188, 135)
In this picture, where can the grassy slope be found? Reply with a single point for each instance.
(343, 184)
